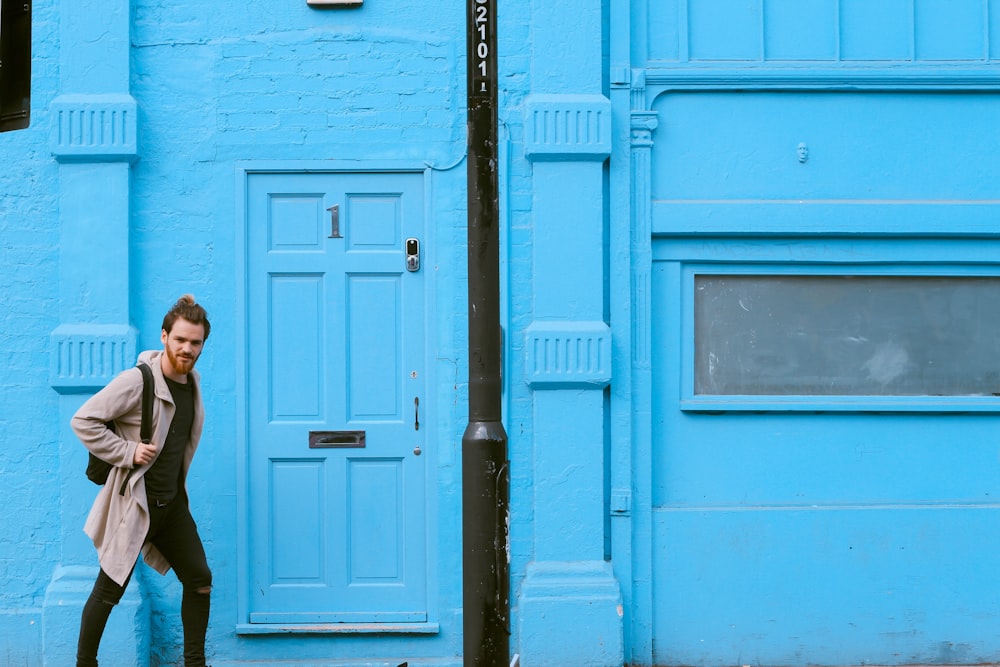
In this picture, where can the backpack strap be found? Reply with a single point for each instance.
(146, 425)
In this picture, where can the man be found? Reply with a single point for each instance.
(144, 505)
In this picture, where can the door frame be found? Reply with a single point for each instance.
(244, 170)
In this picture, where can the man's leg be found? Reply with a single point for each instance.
(194, 617)
(180, 544)
(103, 598)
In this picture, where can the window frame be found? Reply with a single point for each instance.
(710, 403)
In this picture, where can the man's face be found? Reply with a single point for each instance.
(183, 345)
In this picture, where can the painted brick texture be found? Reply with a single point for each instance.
(216, 86)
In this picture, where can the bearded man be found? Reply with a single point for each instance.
(143, 506)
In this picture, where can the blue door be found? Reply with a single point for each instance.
(335, 374)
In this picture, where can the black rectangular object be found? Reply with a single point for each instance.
(15, 64)
(336, 439)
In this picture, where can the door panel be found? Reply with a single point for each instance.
(337, 524)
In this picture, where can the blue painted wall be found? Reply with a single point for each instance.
(378, 87)
(101, 232)
(29, 542)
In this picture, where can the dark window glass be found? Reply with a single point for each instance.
(835, 335)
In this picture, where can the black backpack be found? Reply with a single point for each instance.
(98, 469)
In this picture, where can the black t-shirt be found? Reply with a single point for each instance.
(163, 477)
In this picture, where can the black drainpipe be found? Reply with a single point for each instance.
(485, 476)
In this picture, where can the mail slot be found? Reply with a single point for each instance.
(336, 439)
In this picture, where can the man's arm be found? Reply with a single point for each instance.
(119, 401)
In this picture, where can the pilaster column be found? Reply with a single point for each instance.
(637, 511)
(569, 590)
(93, 138)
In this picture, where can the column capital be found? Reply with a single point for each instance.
(85, 357)
(94, 128)
(568, 354)
(642, 125)
(567, 127)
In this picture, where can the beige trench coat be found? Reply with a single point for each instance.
(118, 523)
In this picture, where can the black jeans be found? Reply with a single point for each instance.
(171, 530)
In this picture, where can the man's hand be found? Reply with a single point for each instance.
(144, 453)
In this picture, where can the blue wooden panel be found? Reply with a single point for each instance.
(376, 521)
(950, 29)
(828, 217)
(296, 313)
(993, 10)
(815, 36)
(374, 371)
(843, 585)
(372, 222)
(880, 30)
(901, 147)
(295, 222)
(848, 32)
(297, 522)
(724, 29)
(780, 459)
(663, 30)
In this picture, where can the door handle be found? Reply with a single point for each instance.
(416, 422)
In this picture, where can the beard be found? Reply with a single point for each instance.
(182, 365)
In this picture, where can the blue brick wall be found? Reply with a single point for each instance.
(380, 84)
(29, 455)
(219, 86)
(215, 86)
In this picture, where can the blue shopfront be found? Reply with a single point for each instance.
(749, 278)
(813, 244)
